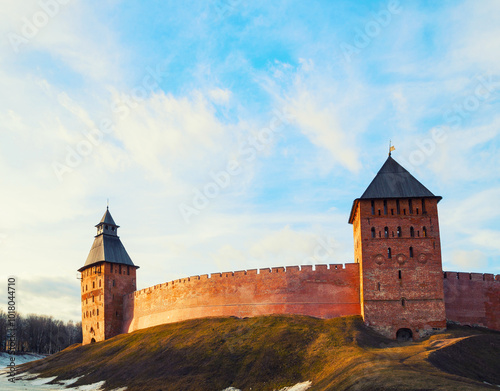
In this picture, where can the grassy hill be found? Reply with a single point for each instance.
(271, 352)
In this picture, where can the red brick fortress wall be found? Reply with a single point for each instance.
(472, 299)
(326, 292)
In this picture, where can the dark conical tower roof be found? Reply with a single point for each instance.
(107, 246)
(107, 219)
(393, 181)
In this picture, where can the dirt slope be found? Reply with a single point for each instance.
(271, 352)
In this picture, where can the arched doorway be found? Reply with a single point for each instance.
(404, 335)
(92, 340)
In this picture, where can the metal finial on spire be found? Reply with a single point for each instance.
(107, 204)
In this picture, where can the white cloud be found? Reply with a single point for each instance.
(220, 96)
(174, 136)
(475, 30)
(474, 260)
(320, 124)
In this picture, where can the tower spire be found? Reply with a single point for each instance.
(391, 147)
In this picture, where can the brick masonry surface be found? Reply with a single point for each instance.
(325, 292)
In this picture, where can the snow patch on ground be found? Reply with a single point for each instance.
(297, 387)
(27, 382)
(19, 358)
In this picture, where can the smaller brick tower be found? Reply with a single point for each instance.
(397, 246)
(108, 275)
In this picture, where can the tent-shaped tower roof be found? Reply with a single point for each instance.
(107, 246)
(393, 181)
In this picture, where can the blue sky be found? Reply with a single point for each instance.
(278, 114)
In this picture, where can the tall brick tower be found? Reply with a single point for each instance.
(397, 245)
(108, 275)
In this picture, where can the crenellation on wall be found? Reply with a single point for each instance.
(463, 276)
(349, 266)
(470, 276)
(476, 276)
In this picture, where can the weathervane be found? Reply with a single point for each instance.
(391, 148)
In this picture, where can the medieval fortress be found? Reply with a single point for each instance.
(396, 282)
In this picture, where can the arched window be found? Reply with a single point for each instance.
(423, 206)
(378, 286)
(411, 252)
(412, 232)
(385, 207)
(399, 232)
(386, 232)
(398, 211)
(424, 232)
(410, 206)
(373, 232)
(389, 254)
(373, 207)
(399, 274)
(93, 284)
(403, 302)
(99, 283)
(98, 312)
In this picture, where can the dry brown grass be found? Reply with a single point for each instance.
(267, 353)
